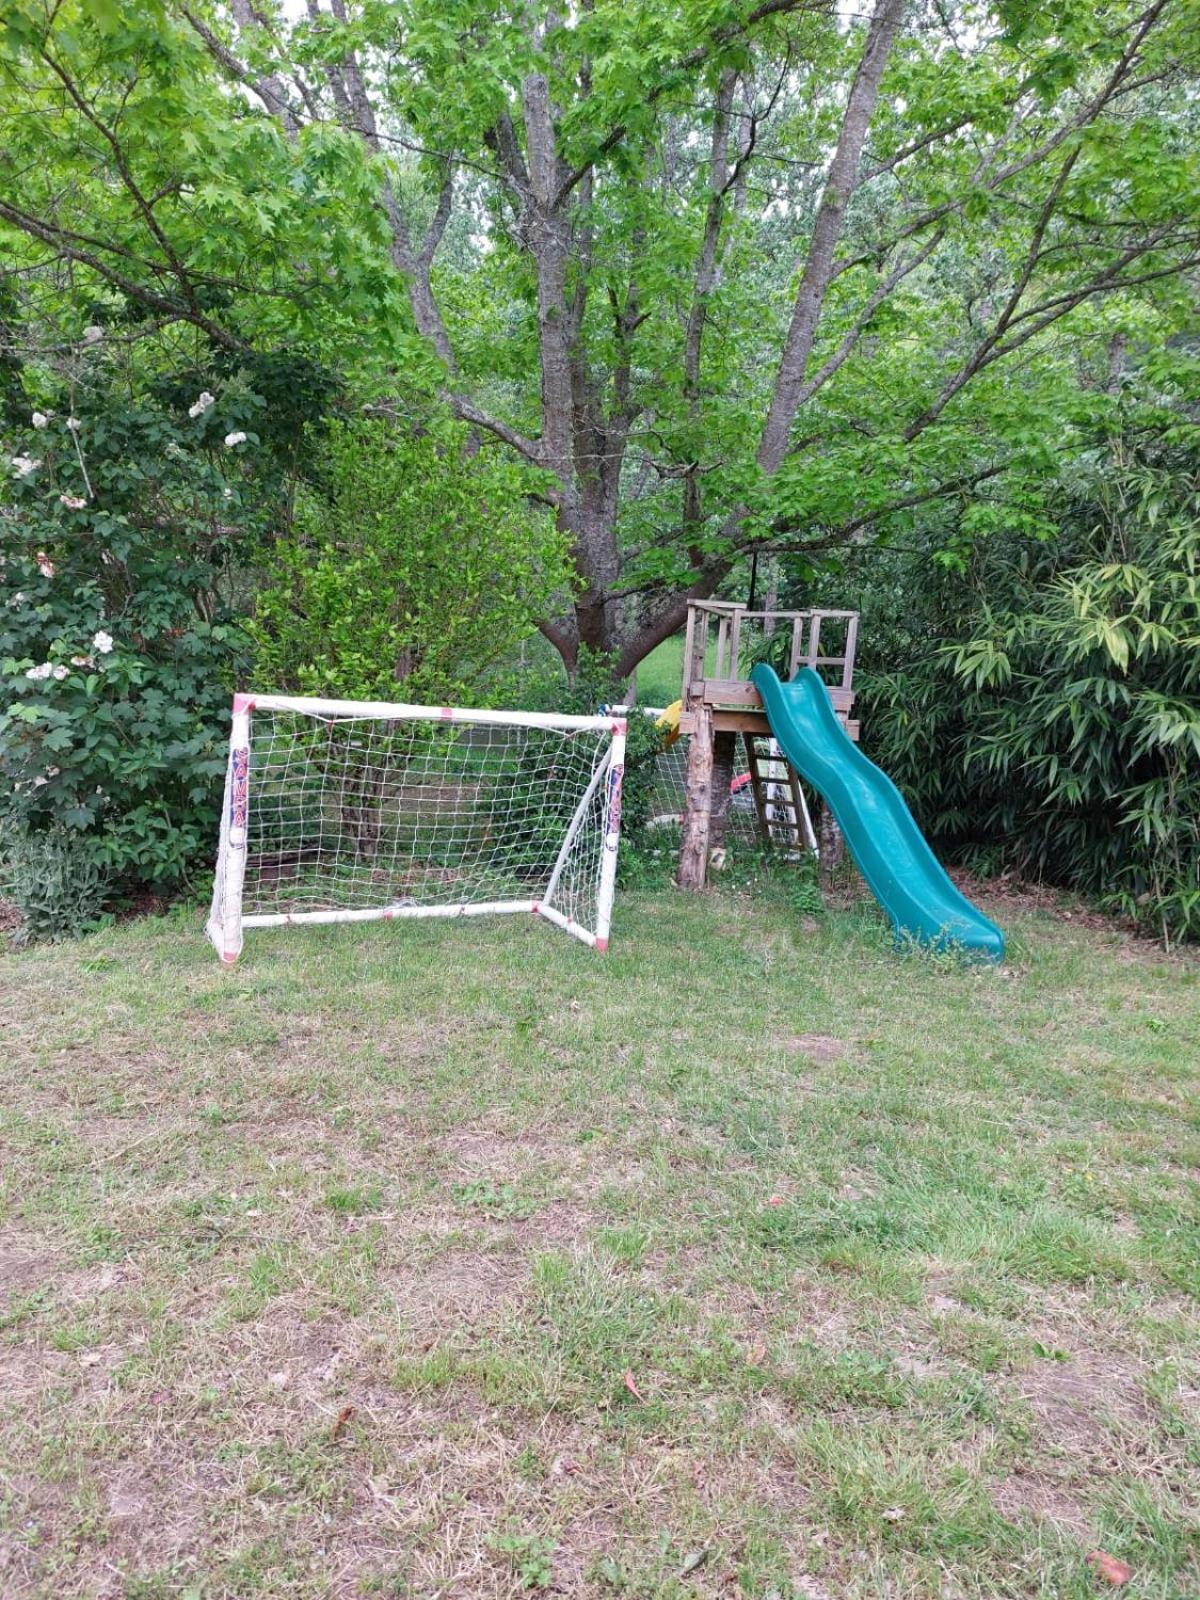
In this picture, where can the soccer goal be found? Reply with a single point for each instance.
(348, 811)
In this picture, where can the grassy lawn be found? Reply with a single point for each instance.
(660, 675)
(452, 1259)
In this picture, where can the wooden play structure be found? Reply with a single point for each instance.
(721, 706)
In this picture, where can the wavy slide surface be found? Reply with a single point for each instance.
(904, 874)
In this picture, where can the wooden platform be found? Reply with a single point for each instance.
(736, 707)
(720, 704)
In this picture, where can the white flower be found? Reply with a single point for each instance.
(40, 419)
(202, 404)
(22, 466)
(93, 333)
(38, 673)
(18, 599)
(103, 642)
(39, 783)
(73, 502)
(60, 673)
(45, 565)
(234, 438)
(74, 424)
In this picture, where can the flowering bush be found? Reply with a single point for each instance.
(121, 534)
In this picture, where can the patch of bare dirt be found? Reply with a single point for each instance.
(146, 1514)
(30, 1265)
(1007, 896)
(1027, 1494)
(939, 1292)
(24, 1271)
(485, 1151)
(1081, 1402)
(463, 1286)
(27, 1371)
(818, 1048)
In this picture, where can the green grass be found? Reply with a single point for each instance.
(452, 1259)
(660, 675)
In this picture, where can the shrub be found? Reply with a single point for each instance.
(55, 883)
(413, 568)
(120, 567)
(1041, 711)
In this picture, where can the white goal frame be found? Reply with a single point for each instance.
(226, 920)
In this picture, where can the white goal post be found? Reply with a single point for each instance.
(355, 810)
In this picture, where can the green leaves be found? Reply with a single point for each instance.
(419, 564)
(118, 640)
(1059, 733)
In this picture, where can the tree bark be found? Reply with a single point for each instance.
(818, 268)
(693, 853)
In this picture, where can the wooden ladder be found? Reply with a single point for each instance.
(783, 817)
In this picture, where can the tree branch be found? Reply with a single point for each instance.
(1118, 83)
(846, 348)
(266, 89)
(1032, 255)
(174, 310)
(721, 37)
(818, 269)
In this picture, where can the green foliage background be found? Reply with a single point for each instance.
(411, 570)
(1039, 702)
(190, 205)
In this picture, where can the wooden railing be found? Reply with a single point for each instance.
(727, 628)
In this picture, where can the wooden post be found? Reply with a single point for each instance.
(724, 752)
(693, 852)
(689, 648)
(851, 647)
(797, 646)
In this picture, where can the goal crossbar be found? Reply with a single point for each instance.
(399, 711)
(359, 811)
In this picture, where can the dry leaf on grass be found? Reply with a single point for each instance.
(631, 1385)
(1111, 1568)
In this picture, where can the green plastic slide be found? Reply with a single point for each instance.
(892, 855)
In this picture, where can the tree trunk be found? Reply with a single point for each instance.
(818, 269)
(693, 854)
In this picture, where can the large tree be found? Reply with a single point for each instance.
(730, 276)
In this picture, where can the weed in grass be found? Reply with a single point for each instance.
(425, 1374)
(530, 1556)
(496, 1200)
(354, 1200)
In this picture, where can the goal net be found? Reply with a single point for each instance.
(346, 811)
